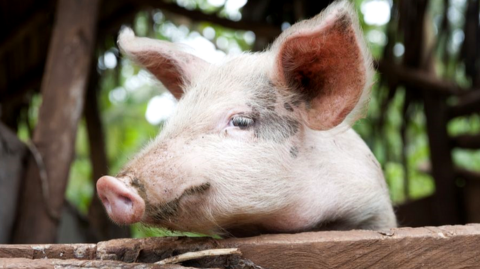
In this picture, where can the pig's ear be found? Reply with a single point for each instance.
(326, 63)
(173, 67)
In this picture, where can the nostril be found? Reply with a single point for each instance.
(105, 202)
(126, 201)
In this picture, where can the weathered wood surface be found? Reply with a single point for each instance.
(427, 247)
(63, 91)
(70, 264)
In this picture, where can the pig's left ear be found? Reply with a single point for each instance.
(325, 62)
(172, 66)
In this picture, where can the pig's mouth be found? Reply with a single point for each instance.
(157, 213)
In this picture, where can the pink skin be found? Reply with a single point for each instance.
(123, 204)
(288, 168)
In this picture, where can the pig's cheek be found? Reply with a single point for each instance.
(237, 133)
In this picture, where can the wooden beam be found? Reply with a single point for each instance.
(23, 31)
(418, 79)
(466, 141)
(467, 104)
(124, 15)
(459, 172)
(260, 29)
(467, 174)
(30, 80)
(430, 247)
(63, 90)
(112, 23)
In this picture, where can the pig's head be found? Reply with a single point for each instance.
(228, 157)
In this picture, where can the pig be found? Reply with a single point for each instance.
(260, 142)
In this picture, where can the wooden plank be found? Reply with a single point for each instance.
(57, 264)
(63, 90)
(428, 247)
(50, 251)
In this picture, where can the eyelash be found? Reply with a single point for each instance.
(241, 122)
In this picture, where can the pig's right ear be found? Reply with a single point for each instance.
(324, 61)
(173, 67)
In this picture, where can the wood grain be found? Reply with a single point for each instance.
(427, 247)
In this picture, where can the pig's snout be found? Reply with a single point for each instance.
(123, 204)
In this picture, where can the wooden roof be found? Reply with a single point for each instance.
(27, 27)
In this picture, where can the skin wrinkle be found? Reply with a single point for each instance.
(164, 211)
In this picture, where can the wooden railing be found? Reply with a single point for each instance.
(428, 247)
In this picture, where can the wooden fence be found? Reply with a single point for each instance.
(426, 247)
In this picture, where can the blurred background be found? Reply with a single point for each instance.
(72, 108)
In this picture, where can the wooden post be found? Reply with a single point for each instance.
(63, 89)
(447, 197)
(102, 227)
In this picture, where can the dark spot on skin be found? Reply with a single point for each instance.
(139, 187)
(164, 211)
(288, 107)
(343, 22)
(266, 95)
(270, 107)
(270, 126)
(294, 152)
(296, 103)
(197, 189)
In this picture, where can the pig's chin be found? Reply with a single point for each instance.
(186, 221)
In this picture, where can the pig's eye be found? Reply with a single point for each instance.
(241, 122)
